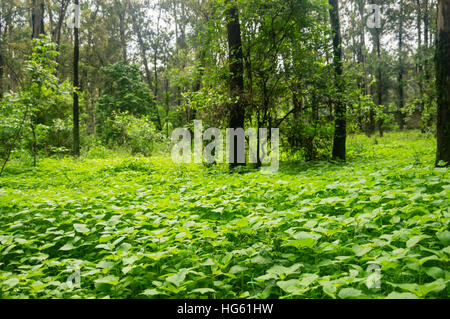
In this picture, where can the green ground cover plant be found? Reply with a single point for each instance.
(143, 227)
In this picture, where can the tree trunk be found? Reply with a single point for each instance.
(340, 123)
(37, 18)
(425, 35)
(121, 12)
(142, 47)
(1, 61)
(76, 112)
(419, 63)
(155, 62)
(155, 54)
(442, 60)
(237, 111)
(379, 78)
(56, 34)
(398, 113)
(362, 46)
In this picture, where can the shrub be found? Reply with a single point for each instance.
(138, 134)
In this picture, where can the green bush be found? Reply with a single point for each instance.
(138, 134)
(311, 141)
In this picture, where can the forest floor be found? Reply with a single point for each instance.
(134, 227)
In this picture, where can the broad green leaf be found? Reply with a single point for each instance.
(177, 278)
(81, 228)
(401, 295)
(349, 293)
(444, 237)
(203, 290)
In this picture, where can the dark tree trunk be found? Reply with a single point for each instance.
(1, 63)
(122, 21)
(237, 108)
(155, 62)
(166, 93)
(398, 113)
(419, 63)
(340, 123)
(443, 82)
(426, 19)
(379, 79)
(76, 112)
(362, 81)
(37, 21)
(37, 18)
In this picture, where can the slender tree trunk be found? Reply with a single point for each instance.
(419, 63)
(155, 62)
(76, 112)
(37, 21)
(398, 113)
(56, 35)
(142, 47)
(362, 81)
(166, 107)
(340, 123)
(426, 20)
(379, 92)
(155, 54)
(362, 47)
(237, 111)
(442, 60)
(1, 63)
(50, 15)
(122, 21)
(56, 32)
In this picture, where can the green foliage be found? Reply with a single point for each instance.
(312, 142)
(137, 133)
(147, 228)
(124, 91)
(41, 101)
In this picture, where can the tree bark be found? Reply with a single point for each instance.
(1, 60)
(121, 12)
(398, 113)
(37, 18)
(340, 123)
(426, 17)
(379, 92)
(442, 60)
(62, 15)
(419, 63)
(237, 107)
(76, 112)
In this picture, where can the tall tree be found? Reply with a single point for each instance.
(142, 46)
(37, 18)
(236, 65)
(56, 31)
(76, 84)
(419, 65)
(379, 75)
(340, 123)
(1, 54)
(401, 98)
(121, 13)
(443, 82)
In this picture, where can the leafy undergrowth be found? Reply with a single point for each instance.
(147, 228)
